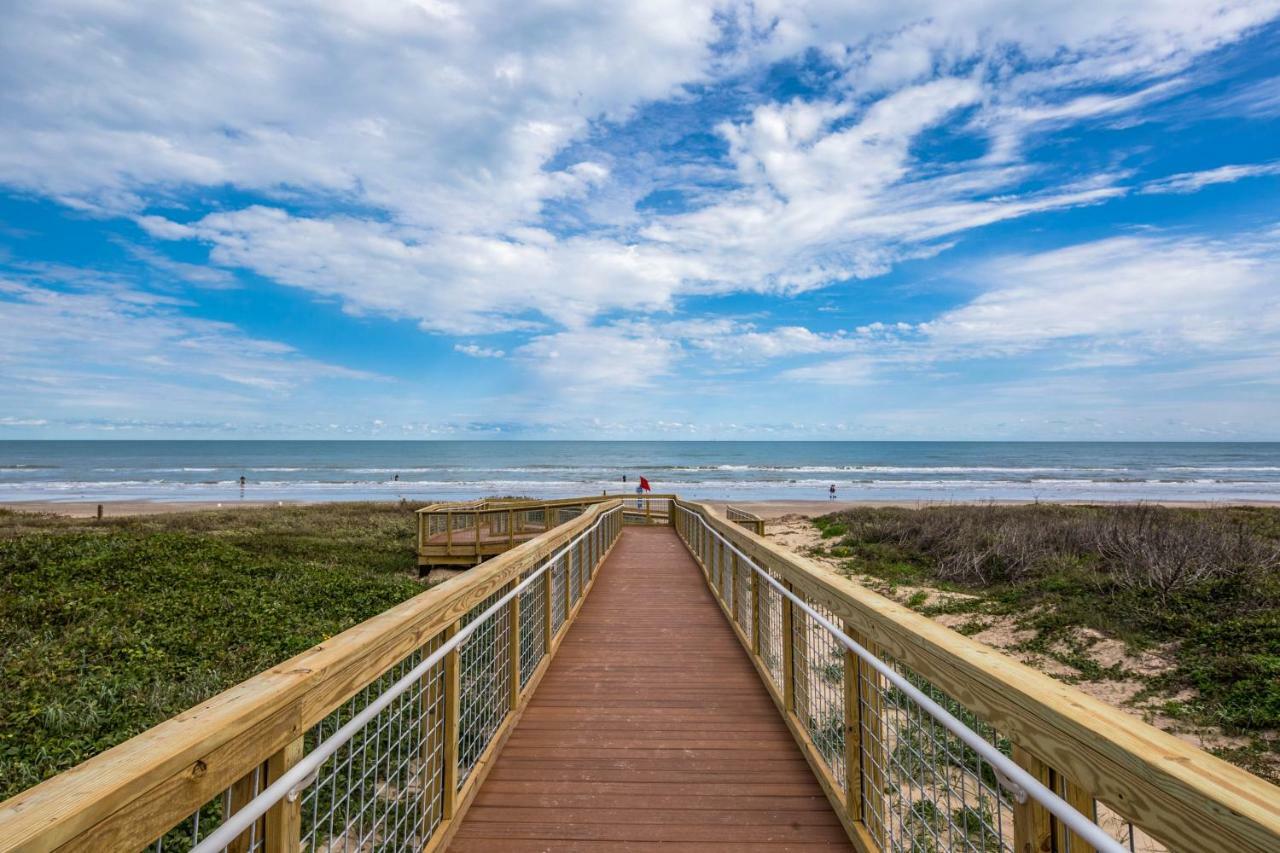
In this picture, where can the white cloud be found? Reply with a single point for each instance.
(449, 163)
(477, 351)
(121, 349)
(441, 128)
(853, 370)
(1190, 182)
(444, 114)
(1163, 291)
(1109, 304)
(597, 361)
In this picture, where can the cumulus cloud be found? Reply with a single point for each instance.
(1166, 291)
(1106, 304)
(456, 164)
(441, 131)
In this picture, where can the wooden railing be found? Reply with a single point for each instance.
(745, 518)
(402, 780)
(901, 782)
(465, 533)
(461, 660)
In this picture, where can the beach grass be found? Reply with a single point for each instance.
(108, 628)
(1201, 586)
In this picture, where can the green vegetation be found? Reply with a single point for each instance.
(1202, 586)
(107, 628)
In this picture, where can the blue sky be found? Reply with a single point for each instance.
(898, 220)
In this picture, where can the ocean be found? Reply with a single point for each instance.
(715, 470)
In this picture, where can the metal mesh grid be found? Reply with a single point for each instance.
(729, 580)
(533, 641)
(558, 580)
(575, 573)
(818, 664)
(484, 680)
(742, 598)
(771, 632)
(209, 817)
(923, 788)
(381, 790)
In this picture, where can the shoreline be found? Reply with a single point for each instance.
(767, 509)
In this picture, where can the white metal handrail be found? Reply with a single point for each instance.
(1011, 776)
(297, 778)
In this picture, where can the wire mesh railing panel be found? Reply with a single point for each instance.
(558, 581)
(923, 788)
(593, 553)
(499, 523)
(742, 599)
(727, 590)
(771, 639)
(484, 681)
(818, 668)
(209, 817)
(533, 640)
(575, 574)
(382, 789)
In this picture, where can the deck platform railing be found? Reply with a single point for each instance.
(926, 740)
(745, 518)
(465, 533)
(375, 739)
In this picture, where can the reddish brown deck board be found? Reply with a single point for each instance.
(650, 729)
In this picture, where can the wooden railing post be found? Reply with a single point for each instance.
(448, 534)
(1032, 828)
(452, 711)
(284, 819)
(244, 790)
(511, 528)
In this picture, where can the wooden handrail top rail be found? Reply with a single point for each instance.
(502, 505)
(1168, 787)
(203, 750)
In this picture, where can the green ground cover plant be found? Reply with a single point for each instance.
(1202, 585)
(107, 628)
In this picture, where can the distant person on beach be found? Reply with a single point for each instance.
(396, 478)
(242, 481)
(831, 492)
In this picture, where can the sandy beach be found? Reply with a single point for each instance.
(765, 509)
(116, 509)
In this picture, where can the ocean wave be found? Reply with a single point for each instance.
(1242, 469)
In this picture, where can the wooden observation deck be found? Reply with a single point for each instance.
(635, 678)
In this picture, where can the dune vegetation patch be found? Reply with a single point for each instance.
(108, 628)
(1174, 613)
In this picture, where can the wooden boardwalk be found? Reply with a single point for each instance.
(650, 730)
